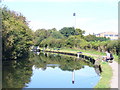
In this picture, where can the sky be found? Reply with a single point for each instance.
(93, 16)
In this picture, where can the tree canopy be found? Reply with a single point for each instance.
(68, 31)
(16, 35)
(94, 38)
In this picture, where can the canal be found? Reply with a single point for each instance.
(48, 70)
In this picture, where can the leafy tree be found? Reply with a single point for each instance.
(40, 35)
(90, 37)
(94, 38)
(80, 32)
(75, 42)
(102, 39)
(16, 35)
(113, 46)
(57, 35)
(52, 42)
(67, 31)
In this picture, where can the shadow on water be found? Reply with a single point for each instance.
(18, 73)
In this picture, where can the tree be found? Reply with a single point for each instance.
(75, 42)
(67, 31)
(40, 35)
(94, 38)
(57, 35)
(52, 42)
(80, 32)
(16, 35)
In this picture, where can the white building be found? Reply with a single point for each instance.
(111, 35)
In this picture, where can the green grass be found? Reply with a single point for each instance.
(85, 51)
(116, 58)
(106, 76)
(79, 50)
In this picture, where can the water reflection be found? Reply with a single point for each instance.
(60, 71)
(73, 76)
(65, 63)
(16, 74)
(45, 70)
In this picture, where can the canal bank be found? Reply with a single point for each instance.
(107, 74)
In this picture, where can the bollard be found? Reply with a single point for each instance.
(78, 54)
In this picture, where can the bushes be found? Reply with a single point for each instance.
(52, 42)
(113, 46)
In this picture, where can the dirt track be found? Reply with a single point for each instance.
(114, 80)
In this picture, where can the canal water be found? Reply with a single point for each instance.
(47, 70)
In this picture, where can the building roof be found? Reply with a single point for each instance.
(113, 33)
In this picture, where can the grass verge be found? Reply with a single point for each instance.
(106, 76)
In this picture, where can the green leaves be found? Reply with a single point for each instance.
(75, 42)
(68, 31)
(94, 38)
(16, 35)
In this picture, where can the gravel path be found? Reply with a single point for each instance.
(114, 80)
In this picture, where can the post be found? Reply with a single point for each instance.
(74, 14)
(78, 54)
